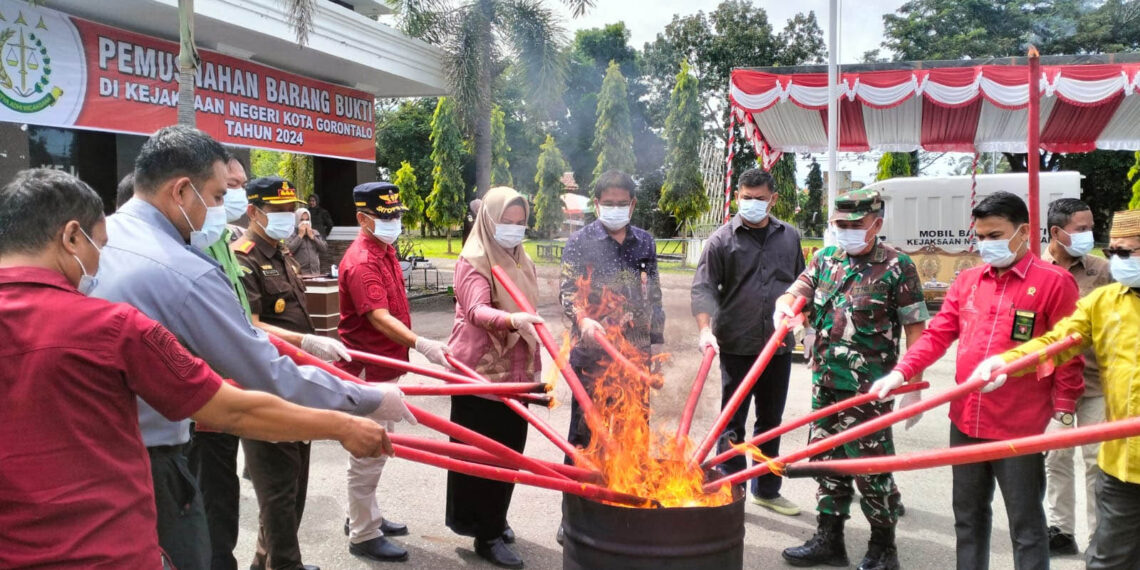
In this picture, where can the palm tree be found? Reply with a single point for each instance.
(300, 12)
(477, 35)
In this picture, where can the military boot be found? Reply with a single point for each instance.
(826, 547)
(881, 551)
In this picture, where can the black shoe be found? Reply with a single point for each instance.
(1061, 544)
(509, 535)
(498, 553)
(390, 528)
(881, 551)
(826, 547)
(561, 536)
(379, 548)
(346, 528)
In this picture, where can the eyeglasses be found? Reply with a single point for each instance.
(1118, 252)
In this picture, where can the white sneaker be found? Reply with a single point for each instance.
(779, 504)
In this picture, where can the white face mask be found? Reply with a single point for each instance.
(1126, 271)
(87, 282)
(996, 252)
(1080, 243)
(753, 211)
(614, 218)
(235, 203)
(387, 231)
(509, 235)
(852, 241)
(278, 225)
(212, 226)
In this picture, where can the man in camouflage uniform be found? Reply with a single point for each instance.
(862, 294)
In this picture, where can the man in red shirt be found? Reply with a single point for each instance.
(75, 483)
(374, 317)
(1013, 297)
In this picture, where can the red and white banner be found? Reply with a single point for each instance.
(963, 109)
(59, 70)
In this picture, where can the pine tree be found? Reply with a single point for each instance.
(500, 166)
(548, 212)
(613, 135)
(445, 206)
(784, 183)
(683, 195)
(405, 180)
(814, 214)
(894, 165)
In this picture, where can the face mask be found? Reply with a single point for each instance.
(1125, 271)
(852, 241)
(1082, 244)
(278, 225)
(509, 235)
(614, 218)
(996, 252)
(387, 231)
(212, 227)
(753, 210)
(87, 282)
(235, 203)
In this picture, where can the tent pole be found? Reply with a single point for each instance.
(832, 105)
(1033, 160)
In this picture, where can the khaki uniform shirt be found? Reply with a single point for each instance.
(272, 282)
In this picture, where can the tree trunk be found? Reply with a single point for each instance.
(187, 63)
(448, 240)
(483, 126)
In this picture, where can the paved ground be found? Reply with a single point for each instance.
(414, 493)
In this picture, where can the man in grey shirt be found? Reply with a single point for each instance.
(180, 177)
(746, 265)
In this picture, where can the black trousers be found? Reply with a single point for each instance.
(1022, 482)
(1114, 543)
(770, 394)
(280, 475)
(182, 529)
(213, 461)
(478, 507)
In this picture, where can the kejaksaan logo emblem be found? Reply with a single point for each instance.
(26, 70)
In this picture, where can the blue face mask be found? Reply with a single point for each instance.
(1125, 271)
(1082, 244)
(614, 218)
(212, 226)
(235, 203)
(997, 253)
(509, 235)
(753, 211)
(87, 282)
(279, 225)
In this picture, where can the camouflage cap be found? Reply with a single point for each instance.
(856, 205)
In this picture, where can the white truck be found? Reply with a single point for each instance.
(929, 218)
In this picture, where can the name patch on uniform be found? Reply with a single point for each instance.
(1023, 322)
(269, 271)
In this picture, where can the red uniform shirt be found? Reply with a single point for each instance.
(981, 312)
(370, 278)
(75, 485)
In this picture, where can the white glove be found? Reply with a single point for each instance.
(910, 399)
(884, 385)
(986, 369)
(707, 340)
(587, 328)
(434, 350)
(392, 407)
(524, 324)
(324, 348)
(783, 311)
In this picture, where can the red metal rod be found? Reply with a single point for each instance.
(469, 453)
(499, 389)
(511, 476)
(405, 366)
(593, 419)
(788, 426)
(429, 420)
(886, 420)
(617, 356)
(975, 453)
(695, 394)
(745, 387)
(1032, 146)
(544, 428)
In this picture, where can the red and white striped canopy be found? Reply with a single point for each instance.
(963, 109)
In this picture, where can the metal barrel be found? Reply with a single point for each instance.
(598, 535)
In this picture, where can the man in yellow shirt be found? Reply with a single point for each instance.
(1108, 320)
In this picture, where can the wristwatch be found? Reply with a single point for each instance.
(1066, 419)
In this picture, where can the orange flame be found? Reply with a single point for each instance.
(639, 461)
